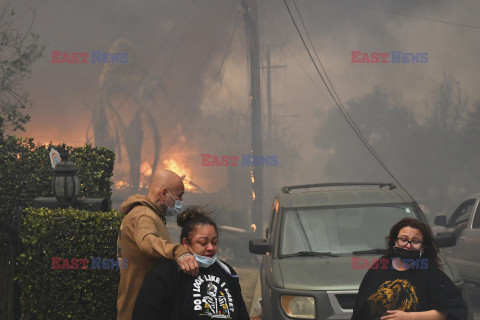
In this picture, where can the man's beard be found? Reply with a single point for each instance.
(161, 207)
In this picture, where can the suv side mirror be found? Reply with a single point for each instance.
(441, 220)
(446, 239)
(259, 246)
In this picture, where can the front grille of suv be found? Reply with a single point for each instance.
(346, 301)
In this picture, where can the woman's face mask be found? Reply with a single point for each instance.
(203, 244)
(405, 249)
(407, 254)
(204, 261)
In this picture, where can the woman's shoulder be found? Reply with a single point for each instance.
(164, 265)
(227, 268)
(438, 273)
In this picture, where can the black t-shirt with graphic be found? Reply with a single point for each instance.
(412, 290)
(214, 294)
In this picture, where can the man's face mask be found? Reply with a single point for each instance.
(171, 211)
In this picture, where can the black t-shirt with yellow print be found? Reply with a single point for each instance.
(412, 290)
(169, 294)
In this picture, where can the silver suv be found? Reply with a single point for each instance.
(464, 227)
(317, 238)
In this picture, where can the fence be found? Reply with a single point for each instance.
(10, 247)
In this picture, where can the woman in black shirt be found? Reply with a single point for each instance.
(169, 294)
(413, 286)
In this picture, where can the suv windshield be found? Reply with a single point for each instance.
(341, 229)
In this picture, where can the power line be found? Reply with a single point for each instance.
(338, 103)
(304, 70)
(415, 17)
(193, 78)
(335, 97)
(225, 56)
(307, 74)
(227, 52)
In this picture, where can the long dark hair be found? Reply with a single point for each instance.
(430, 247)
(191, 217)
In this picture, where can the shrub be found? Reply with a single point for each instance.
(26, 173)
(48, 293)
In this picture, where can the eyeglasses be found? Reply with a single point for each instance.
(402, 242)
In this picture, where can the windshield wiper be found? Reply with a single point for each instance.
(369, 251)
(309, 254)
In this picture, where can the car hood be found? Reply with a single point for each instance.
(320, 273)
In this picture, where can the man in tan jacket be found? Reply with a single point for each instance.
(143, 237)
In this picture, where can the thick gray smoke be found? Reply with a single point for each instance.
(190, 58)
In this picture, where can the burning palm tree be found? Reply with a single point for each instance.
(127, 81)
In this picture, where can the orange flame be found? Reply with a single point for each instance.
(253, 227)
(253, 194)
(182, 171)
(146, 169)
(121, 184)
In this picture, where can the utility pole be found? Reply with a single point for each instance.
(270, 176)
(269, 96)
(251, 21)
(269, 68)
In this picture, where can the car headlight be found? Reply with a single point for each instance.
(300, 307)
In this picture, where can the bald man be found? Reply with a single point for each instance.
(143, 237)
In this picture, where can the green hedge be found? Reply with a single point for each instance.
(26, 173)
(68, 293)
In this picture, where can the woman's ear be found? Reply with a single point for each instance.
(185, 243)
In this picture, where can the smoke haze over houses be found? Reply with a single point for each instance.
(192, 57)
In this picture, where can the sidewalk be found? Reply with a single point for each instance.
(255, 309)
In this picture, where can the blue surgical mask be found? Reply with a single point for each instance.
(204, 261)
(176, 209)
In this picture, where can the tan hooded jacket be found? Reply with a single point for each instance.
(142, 240)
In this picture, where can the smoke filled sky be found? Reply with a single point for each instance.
(196, 54)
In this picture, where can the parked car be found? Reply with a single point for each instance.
(233, 247)
(314, 234)
(464, 226)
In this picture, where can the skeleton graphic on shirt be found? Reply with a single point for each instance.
(212, 298)
(215, 303)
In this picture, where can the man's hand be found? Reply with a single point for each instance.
(188, 264)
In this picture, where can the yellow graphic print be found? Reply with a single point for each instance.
(393, 295)
(215, 303)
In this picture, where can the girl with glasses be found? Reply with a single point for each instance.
(413, 286)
